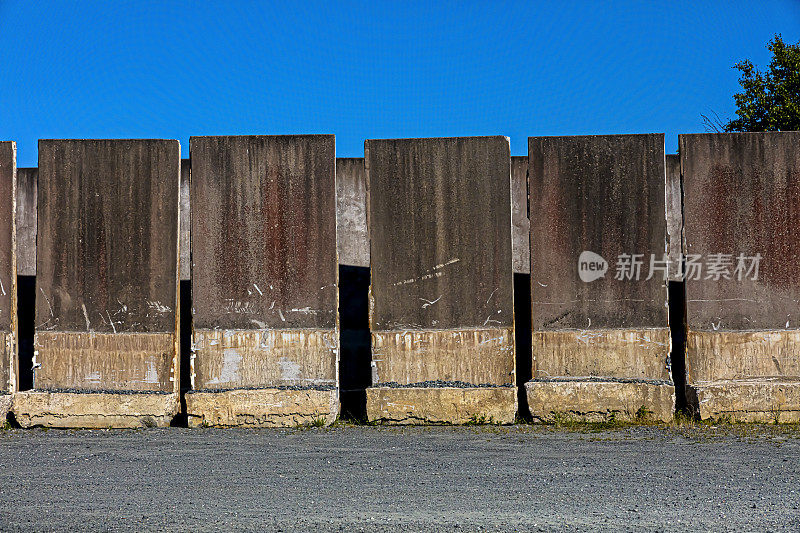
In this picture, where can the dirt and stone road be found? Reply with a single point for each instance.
(357, 478)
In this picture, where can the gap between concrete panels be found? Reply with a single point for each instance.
(677, 327)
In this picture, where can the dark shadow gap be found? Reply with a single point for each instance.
(186, 349)
(677, 328)
(11, 421)
(355, 342)
(26, 316)
(522, 340)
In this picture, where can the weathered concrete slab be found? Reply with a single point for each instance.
(756, 400)
(740, 211)
(94, 410)
(8, 278)
(674, 203)
(439, 214)
(263, 407)
(107, 277)
(351, 212)
(441, 405)
(185, 221)
(598, 201)
(521, 234)
(264, 273)
(595, 401)
(26, 221)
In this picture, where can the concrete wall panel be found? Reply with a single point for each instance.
(440, 234)
(440, 224)
(520, 238)
(603, 194)
(439, 218)
(8, 279)
(107, 264)
(674, 204)
(351, 212)
(185, 221)
(742, 195)
(264, 261)
(601, 200)
(26, 221)
(742, 200)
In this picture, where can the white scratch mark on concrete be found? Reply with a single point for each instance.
(259, 290)
(490, 296)
(442, 265)
(304, 310)
(86, 316)
(429, 303)
(2, 289)
(280, 313)
(158, 306)
(258, 323)
(47, 300)
(113, 327)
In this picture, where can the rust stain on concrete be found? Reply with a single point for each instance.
(227, 359)
(482, 356)
(742, 195)
(614, 353)
(105, 362)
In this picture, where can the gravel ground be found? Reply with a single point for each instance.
(738, 478)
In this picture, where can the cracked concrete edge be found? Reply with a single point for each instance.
(94, 410)
(591, 401)
(441, 405)
(262, 408)
(757, 400)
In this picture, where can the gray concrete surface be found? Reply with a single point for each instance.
(522, 478)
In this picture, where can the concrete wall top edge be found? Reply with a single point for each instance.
(438, 138)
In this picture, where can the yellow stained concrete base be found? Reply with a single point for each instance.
(593, 401)
(94, 409)
(445, 405)
(262, 407)
(747, 400)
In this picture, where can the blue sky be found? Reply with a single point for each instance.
(374, 69)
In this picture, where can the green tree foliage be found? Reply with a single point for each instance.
(769, 101)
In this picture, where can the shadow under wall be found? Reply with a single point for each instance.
(355, 341)
(522, 339)
(26, 316)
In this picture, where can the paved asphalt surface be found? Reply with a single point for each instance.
(354, 478)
